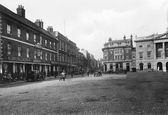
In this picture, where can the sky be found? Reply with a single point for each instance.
(90, 23)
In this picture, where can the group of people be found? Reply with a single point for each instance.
(63, 74)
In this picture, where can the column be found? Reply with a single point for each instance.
(154, 51)
(23, 68)
(40, 68)
(108, 66)
(114, 66)
(24, 71)
(49, 70)
(163, 50)
(46, 70)
(54, 68)
(14, 76)
(124, 66)
(130, 66)
(32, 67)
(104, 67)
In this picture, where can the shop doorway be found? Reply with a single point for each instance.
(128, 66)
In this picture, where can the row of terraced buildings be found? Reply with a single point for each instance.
(26, 46)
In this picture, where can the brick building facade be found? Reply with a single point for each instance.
(118, 54)
(25, 46)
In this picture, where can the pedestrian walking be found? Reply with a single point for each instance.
(63, 75)
(88, 73)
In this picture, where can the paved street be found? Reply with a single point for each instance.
(79, 95)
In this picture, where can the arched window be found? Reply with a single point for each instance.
(141, 66)
(159, 66)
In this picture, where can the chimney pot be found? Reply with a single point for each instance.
(39, 23)
(21, 11)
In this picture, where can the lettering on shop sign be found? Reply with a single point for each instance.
(37, 61)
(14, 58)
(18, 58)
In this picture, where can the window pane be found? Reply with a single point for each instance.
(27, 36)
(35, 54)
(8, 29)
(27, 52)
(9, 48)
(19, 50)
(19, 32)
(34, 38)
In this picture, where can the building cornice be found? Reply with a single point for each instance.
(108, 48)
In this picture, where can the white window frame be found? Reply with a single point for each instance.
(45, 42)
(41, 56)
(8, 29)
(41, 39)
(28, 52)
(9, 49)
(35, 54)
(46, 56)
(50, 56)
(27, 35)
(19, 51)
(35, 38)
(19, 32)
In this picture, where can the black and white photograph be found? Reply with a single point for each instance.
(83, 57)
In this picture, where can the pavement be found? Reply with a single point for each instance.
(46, 79)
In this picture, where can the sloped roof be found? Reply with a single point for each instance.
(23, 20)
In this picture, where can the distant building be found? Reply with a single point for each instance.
(152, 52)
(118, 54)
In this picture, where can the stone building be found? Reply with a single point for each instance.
(118, 54)
(152, 52)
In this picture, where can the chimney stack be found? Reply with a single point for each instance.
(39, 23)
(50, 29)
(21, 11)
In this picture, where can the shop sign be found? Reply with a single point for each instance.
(14, 58)
(26, 59)
(18, 58)
(37, 61)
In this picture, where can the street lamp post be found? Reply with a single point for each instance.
(0, 49)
